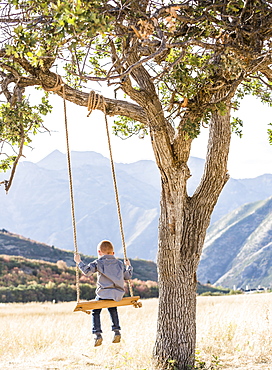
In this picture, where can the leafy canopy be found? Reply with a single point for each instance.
(195, 57)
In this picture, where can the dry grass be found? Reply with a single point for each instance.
(237, 329)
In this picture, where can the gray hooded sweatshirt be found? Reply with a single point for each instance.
(111, 274)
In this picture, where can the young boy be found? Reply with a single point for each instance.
(110, 285)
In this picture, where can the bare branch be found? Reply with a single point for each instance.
(15, 163)
(10, 69)
(170, 66)
(267, 72)
(161, 49)
(262, 80)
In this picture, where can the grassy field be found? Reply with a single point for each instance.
(235, 329)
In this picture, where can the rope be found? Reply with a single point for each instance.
(93, 102)
(58, 86)
(71, 187)
(71, 192)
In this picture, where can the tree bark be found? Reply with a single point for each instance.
(175, 341)
(183, 224)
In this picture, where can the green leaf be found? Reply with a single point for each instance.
(269, 131)
(236, 126)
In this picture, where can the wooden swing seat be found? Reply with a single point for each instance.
(105, 303)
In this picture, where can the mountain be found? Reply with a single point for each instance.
(38, 203)
(17, 245)
(238, 248)
(242, 191)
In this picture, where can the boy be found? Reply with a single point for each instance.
(110, 285)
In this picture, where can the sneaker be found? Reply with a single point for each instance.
(117, 337)
(98, 340)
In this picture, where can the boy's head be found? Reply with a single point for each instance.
(105, 247)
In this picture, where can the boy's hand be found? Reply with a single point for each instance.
(127, 262)
(77, 258)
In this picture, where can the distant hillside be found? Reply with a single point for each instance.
(26, 265)
(16, 245)
(27, 280)
(238, 248)
(24, 280)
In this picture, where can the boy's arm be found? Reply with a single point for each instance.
(77, 258)
(86, 269)
(128, 271)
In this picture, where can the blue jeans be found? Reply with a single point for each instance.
(97, 323)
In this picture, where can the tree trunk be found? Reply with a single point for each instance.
(177, 264)
(182, 229)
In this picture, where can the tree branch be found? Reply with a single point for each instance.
(128, 71)
(215, 173)
(49, 79)
(15, 163)
(267, 72)
(113, 106)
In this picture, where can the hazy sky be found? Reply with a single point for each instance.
(250, 156)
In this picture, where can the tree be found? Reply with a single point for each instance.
(180, 65)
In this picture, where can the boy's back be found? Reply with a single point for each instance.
(110, 278)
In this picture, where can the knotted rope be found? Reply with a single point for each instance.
(94, 101)
(58, 85)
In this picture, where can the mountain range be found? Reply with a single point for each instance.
(38, 205)
(238, 248)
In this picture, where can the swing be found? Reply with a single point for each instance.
(93, 101)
